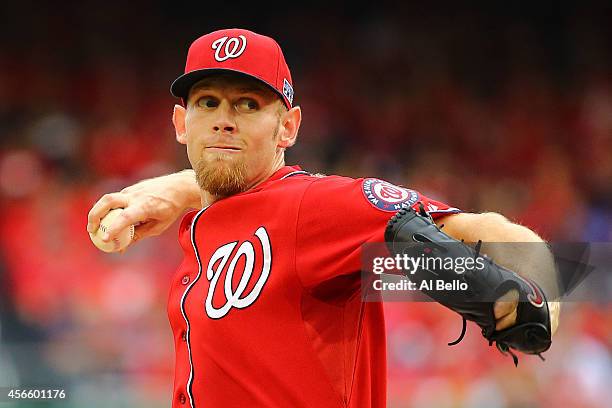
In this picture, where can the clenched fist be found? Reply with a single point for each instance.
(151, 205)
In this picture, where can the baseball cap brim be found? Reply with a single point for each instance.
(181, 85)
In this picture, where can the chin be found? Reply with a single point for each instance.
(222, 176)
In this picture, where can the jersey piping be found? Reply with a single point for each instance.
(188, 331)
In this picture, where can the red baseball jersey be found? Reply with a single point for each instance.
(266, 307)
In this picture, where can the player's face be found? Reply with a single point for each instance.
(232, 133)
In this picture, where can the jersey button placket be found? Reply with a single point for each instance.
(184, 335)
(182, 399)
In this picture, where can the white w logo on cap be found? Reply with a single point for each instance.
(234, 47)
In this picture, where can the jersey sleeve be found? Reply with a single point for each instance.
(337, 215)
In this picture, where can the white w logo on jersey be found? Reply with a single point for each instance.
(235, 299)
(234, 47)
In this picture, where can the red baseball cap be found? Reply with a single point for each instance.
(236, 50)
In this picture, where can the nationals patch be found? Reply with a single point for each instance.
(388, 197)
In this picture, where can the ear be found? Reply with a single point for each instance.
(290, 124)
(178, 120)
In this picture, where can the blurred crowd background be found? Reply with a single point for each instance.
(497, 108)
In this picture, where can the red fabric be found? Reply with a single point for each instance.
(240, 51)
(305, 339)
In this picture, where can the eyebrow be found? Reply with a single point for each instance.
(255, 90)
(245, 89)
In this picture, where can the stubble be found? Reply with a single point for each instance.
(220, 178)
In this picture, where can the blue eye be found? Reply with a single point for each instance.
(247, 105)
(207, 102)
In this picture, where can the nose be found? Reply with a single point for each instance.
(224, 121)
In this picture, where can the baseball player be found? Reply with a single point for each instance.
(266, 308)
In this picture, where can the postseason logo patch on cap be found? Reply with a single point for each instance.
(288, 91)
(388, 197)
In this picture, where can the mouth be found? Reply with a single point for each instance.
(224, 148)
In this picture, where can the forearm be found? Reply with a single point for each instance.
(151, 205)
(511, 245)
(186, 184)
(529, 256)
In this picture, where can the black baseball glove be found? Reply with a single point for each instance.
(483, 281)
